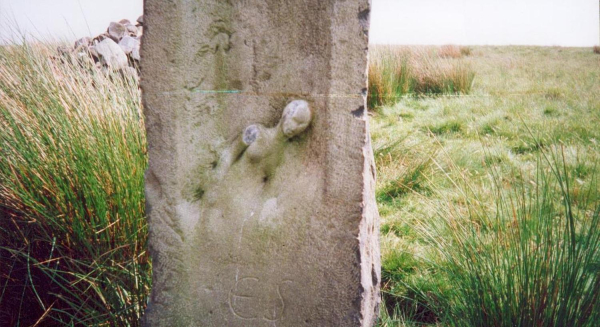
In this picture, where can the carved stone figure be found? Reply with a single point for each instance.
(260, 181)
(263, 146)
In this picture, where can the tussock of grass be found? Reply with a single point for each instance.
(394, 317)
(449, 51)
(596, 49)
(465, 51)
(450, 126)
(453, 51)
(532, 260)
(398, 71)
(433, 76)
(72, 231)
(390, 76)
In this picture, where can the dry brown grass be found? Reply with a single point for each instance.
(453, 51)
(449, 51)
(597, 49)
(433, 75)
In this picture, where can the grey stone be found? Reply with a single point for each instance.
(140, 20)
(135, 54)
(132, 29)
(260, 184)
(129, 44)
(93, 52)
(99, 38)
(111, 54)
(116, 31)
(64, 50)
(125, 22)
(84, 41)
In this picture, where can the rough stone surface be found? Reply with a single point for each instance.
(129, 44)
(135, 54)
(132, 29)
(260, 186)
(84, 41)
(99, 38)
(116, 31)
(111, 54)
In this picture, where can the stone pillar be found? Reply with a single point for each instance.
(260, 186)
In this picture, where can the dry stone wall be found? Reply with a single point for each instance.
(117, 48)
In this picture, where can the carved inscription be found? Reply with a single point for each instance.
(252, 299)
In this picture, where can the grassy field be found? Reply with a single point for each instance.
(487, 188)
(480, 194)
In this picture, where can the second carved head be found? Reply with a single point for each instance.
(296, 118)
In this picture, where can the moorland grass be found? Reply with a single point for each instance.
(531, 260)
(72, 158)
(458, 178)
(483, 236)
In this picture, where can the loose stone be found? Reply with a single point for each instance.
(116, 31)
(111, 54)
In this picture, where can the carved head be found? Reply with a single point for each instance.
(296, 118)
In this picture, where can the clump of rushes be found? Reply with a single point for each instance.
(72, 158)
(533, 260)
(465, 51)
(399, 71)
(390, 75)
(450, 51)
(433, 75)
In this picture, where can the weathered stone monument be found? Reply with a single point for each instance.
(260, 181)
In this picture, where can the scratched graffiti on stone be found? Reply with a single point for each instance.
(252, 299)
